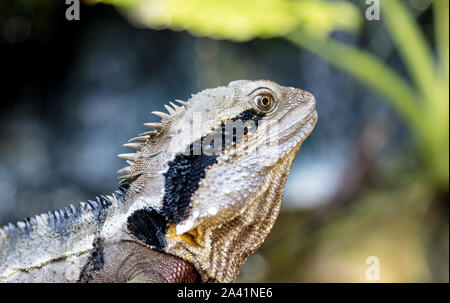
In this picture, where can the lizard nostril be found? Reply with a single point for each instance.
(307, 97)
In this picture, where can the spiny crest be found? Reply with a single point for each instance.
(52, 218)
(138, 142)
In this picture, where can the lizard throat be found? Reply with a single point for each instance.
(219, 250)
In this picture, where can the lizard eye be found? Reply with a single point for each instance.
(264, 102)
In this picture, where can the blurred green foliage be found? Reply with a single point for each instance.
(242, 20)
(423, 102)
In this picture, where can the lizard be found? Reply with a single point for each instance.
(199, 195)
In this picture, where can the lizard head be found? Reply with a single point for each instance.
(241, 131)
(222, 160)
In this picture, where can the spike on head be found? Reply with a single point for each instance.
(149, 134)
(162, 115)
(133, 145)
(125, 170)
(183, 103)
(170, 109)
(176, 107)
(155, 125)
(139, 139)
(128, 156)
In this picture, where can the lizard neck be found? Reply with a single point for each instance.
(218, 249)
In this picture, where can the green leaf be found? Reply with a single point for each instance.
(242, 20)
(412, 45)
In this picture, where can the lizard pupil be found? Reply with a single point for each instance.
(264, 102)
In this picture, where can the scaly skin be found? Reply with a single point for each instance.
(201, 194)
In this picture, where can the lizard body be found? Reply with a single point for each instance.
(199, 196)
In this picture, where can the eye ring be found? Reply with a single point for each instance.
(264, 102)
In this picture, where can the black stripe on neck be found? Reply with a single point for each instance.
(148, 226)
(185, 172)
(181, 181)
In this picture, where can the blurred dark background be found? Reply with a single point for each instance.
(74, 91)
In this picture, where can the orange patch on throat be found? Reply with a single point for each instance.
(193, 237)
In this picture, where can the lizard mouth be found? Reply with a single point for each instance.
(308, 125)
(309, 122)
(299, 129)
